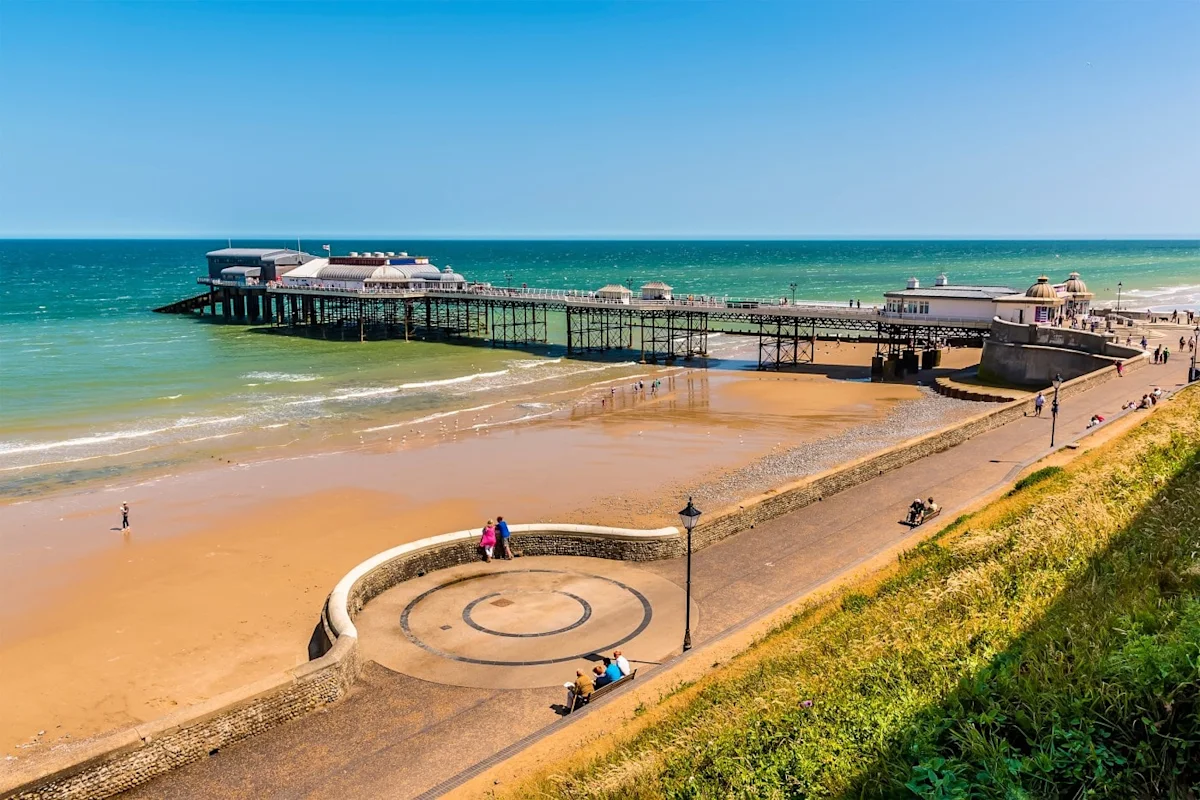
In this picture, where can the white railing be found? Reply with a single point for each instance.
(802, 308)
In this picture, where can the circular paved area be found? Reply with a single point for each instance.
(524, 623)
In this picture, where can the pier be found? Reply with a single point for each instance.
(662, 331)
(391, 295)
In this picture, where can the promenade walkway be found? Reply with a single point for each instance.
(398, 736)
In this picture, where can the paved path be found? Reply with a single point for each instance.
(397, 736)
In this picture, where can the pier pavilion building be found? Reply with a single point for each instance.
(945, 299)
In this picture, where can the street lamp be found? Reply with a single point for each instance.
(1193, 375)
(792, 286)
(1118, 296)
(688, 517)
(508, 280)
(1058, 382)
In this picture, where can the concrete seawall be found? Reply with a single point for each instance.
(1033, 354)
(112, 763)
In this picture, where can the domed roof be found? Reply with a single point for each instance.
(1042, 290)
(1075, 284)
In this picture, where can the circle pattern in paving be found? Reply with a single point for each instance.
(526, 623)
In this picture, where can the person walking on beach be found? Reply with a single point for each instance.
(488, 540)
(502, 532)
(1038, 402)
(124, 517)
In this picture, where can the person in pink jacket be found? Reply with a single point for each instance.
(488, 540)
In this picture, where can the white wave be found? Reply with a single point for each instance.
(171, 397)
(534, 362)
(560, 375)
(102, 438)
(525, 418)
(276, 425)
(451, 381)
(1162, 299)
(429, 418)
(347, 394)
(206, 438)
(533, 405)
(280, 377)
(74, 460)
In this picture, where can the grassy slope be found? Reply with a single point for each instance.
(1048, 646)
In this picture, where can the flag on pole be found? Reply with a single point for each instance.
(325, 247)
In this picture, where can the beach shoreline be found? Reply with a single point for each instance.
(223, 574)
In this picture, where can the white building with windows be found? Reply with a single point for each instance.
(1041, 303)
(945, 299)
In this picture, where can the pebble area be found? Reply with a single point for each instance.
(907, 420)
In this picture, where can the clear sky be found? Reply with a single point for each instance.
(891, 119)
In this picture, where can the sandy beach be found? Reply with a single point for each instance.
(224, 572)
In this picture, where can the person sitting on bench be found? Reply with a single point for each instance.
(915, 511)
(931, 508)
(612, 671)
(580, 690)
(600, 677)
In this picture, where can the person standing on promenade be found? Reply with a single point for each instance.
(1166, 354)
(1038, 402)
(488, 540)
(503, 534)
(124, 517)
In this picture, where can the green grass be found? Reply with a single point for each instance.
(1036, 477)
(1046, 646)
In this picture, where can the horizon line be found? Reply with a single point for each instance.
(606, 237)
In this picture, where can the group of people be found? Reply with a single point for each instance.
(612, 670)
(921, 510)
(1161, 354)
(1149, 400)
(639, 389)
(495, 537)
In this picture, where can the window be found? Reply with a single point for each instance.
(924, 307)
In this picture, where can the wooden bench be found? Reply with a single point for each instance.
(603, 690)
(924, 518)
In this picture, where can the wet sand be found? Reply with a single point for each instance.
(224, 572)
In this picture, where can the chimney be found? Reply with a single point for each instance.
(942, 280)
(913, 283)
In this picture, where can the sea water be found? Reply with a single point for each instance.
(95, 385)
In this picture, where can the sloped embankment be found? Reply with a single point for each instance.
(1047, 646)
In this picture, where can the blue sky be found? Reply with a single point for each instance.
(682, 119)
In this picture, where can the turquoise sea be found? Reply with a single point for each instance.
(94, 385)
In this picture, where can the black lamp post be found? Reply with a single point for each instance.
(508, 280)
(688, 517)
(792, 286)
(1058, 382)
(1193, 375)
(1118, 296)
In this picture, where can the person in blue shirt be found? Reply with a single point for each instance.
(503, 534)
(612, 671)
